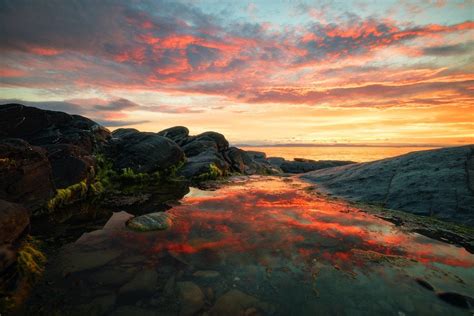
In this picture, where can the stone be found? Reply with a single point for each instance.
(206, 274)
(25, 173)
(206, 163)
(70, 164)
(241, 162)
(144, 281)
(276, 161)
(432, 182)
(235, 302)
(85, 260)
(219, 139)
(191, 297)
(150, 222)
(199, 146)
(178, 134)
(143, 152)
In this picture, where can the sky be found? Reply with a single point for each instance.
(260, 72)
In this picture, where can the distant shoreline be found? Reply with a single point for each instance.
(348, 145)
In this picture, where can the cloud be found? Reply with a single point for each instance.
(449, 50)
(175, 47)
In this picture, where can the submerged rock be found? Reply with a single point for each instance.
(437, 182)
(191, 298)
(150, 222)
(206, 274)
(144, 281)
(238, 303)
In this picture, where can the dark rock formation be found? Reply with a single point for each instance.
(143, 152)
(300, 165)
(70, 140)
(71, 164)
(25, 173)
(178, 134)
(208, 164)
(14, 220)
(245, 163)
(436, 182)
(42, 127)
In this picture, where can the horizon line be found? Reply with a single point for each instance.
(348, 145)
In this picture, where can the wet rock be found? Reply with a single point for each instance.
(25, 173)
(206, 274)
(236, 303)
(144, 281)
(143, 152)
(178, 134)
(432, 182)
(150, 222)
(191, 298)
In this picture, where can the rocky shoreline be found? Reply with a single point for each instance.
(54, 165)
(57, 169)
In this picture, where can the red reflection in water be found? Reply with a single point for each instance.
(263, 217)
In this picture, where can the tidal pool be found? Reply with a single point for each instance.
(258, 246)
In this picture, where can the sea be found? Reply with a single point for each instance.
(357, 154)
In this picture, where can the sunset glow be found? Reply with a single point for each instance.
(260, 72)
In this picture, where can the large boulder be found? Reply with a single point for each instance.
(70, 140)
(178, 134)
(219, 139)
(143, 152)
(207, 165)
(196, 147)
(300, 165)
(70, 164)
(25, 173)
(436, 183)
(42, 127)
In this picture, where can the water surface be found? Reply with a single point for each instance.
(357, 154)
(259, 246)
